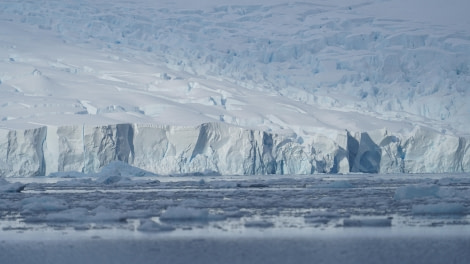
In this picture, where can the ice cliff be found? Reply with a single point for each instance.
(223, 149)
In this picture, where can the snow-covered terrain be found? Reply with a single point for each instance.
(329, 86)
(144, 131)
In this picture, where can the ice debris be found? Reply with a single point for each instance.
(321, 217)
(439, 209)
(6, 186)
(43, 204)
(113, 173)
(148, 225)
(181, 213)
(417, 191)
(368, 222)
(120, 168)
(336, 185)
(67, 216)
(259, 224)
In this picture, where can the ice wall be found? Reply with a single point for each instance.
(222, 149)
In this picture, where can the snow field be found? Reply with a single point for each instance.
(186, 64)
(308, 70)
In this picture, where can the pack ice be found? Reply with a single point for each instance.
(219, 148)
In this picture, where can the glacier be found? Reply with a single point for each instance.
(339, 55)
(222, 149)
(276, 131)
(277, 87)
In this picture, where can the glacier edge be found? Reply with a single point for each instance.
(220, 148)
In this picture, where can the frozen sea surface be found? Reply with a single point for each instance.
(357, 218)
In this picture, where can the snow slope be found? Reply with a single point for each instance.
(394, 72)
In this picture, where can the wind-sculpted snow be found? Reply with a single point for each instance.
(221, 149)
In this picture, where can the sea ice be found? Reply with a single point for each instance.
(335, 185)
(8, 187)
(43, 204)
(417, 191)
(149, 225)
(180, 213)
(77, 215)
(439, 209)
(368, 222)
(103, 214)
(259, 224)
(322, 217)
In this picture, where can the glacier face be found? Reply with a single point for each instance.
(218, 148)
